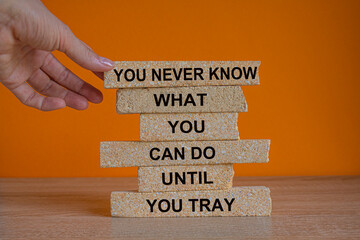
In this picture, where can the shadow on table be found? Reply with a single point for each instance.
(213, 227)
(78, 204)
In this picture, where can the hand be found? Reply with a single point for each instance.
(28, 35)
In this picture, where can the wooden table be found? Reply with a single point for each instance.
(68, 208)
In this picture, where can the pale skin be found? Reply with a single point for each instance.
(29, 33)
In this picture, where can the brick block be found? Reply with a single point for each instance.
(195, 126)
(182, 99)
(237, 201)
(141, 74)
(152, 154)
(185, 178)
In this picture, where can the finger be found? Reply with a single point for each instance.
(44, 85)
(82, 54)
(60, 74)
(32, 99)
(43, 30)
(99, 75)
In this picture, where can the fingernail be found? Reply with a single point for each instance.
(106, 62)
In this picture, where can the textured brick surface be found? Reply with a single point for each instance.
(130, 154)
(193, 99)
(185, 178)
(237, 201)
(177, 68)
(195, 126)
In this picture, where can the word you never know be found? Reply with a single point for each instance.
(186, 74)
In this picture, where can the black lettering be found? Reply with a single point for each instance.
(180, 205)
(126, 75)
(205, 179)
(208, 155)
(167, 74)
(189, 99)
(173, 126)
(224, 73)
(198, 73)
(177, 75)
(151, 204)
(138, 75)
(193, 153)
(229, 203)
(167, 154)
(193, 204)
(233, 73)
(118, 74)
(180, 178)
(182, 126)
(167, 207)
(202, 95)
(249, 70)
(202, 126)
(192, 174)
(180, 154)
(176, 99)
(156, 75)
(204, 203)
(170, 178)
(212, 73)
(187, 74)
(161, 99)
(151, 154)
(218, 205)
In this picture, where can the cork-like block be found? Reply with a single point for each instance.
(182, 99)
(152, 154)
(140, 74)
(185, 178)
(195, 126)
(237, 201)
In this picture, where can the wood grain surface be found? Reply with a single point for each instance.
(69, 208)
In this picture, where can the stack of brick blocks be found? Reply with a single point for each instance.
(189, 139)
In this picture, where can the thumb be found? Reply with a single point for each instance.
(82, 54)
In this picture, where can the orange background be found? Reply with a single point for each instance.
(307, 103)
